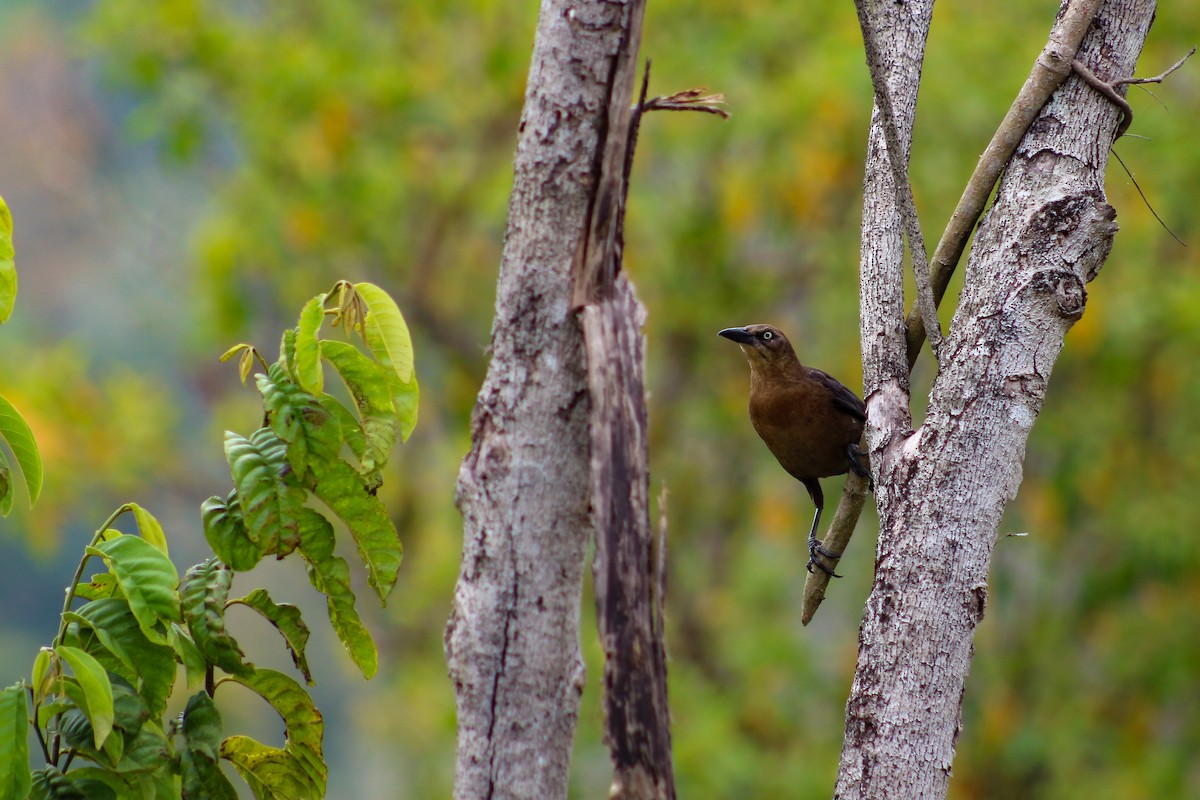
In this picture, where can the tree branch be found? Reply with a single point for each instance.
(1109, 89)
(1050, 69)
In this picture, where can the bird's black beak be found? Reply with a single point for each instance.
(739, 335)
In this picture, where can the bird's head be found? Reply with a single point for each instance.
(765, 346)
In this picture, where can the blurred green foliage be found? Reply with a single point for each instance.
(374, 139)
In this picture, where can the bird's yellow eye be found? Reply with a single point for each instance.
(767, 336)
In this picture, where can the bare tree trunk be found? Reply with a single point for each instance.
(942, 489)
(512, 642)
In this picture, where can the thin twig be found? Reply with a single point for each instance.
(905, 203)
(1109, 90)
(37, 729)
(1145, 200)
(850, 506)
(1159, 77)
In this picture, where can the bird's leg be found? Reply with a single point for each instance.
(857, 466)
(814, 544)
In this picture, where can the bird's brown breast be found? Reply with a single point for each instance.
(803, 427)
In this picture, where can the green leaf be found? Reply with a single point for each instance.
(148, 752)
(330, 574)
(201, 774)
(8, 269)
(6, 496)
(148, 579)
(349, 431)
(287, 350)
(308, 353)
(298, 419)
(14, 742)
(15, 431)
(148, 526)
(202, 726)
(340, 488)
(50, 784)
(97, 690)
(151, 666)
(286, 619)
(193, 662)
(388, 340)
(406, 398)
(130, 709)
(103, 784)
(387, 332)
(49, 710)
(270, 502)
(372, 395)
(297, 770)
(79, 735)
(100, 585)
(76, 729)
(203, 593)
(248, 354)
(226, 532)
(41, 675)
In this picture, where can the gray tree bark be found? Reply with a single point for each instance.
(942, 489)
(525, 489)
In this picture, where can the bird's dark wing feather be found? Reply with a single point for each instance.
(843, 399)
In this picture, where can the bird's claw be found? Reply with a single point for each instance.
(816, 549)
(857, 467)
(812, 562)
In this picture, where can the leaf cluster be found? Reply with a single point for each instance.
(14, 431)
(99, 692)
(317, 460)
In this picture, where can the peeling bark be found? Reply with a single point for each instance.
(627, 578)
(626, 571)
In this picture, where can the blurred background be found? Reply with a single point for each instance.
(183, 174)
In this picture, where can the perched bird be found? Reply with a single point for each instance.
(809, 421)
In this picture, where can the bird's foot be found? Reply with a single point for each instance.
(857, 457)
(816, 549)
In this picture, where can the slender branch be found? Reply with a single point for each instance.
(854, 497)
(1050, 69)
(1145, 199)
(926, 304)
(37, 730)
(1160, 76)
(1109, 89)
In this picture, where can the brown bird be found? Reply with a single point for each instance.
(809, 421)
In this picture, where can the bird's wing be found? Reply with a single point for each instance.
(843, 399)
